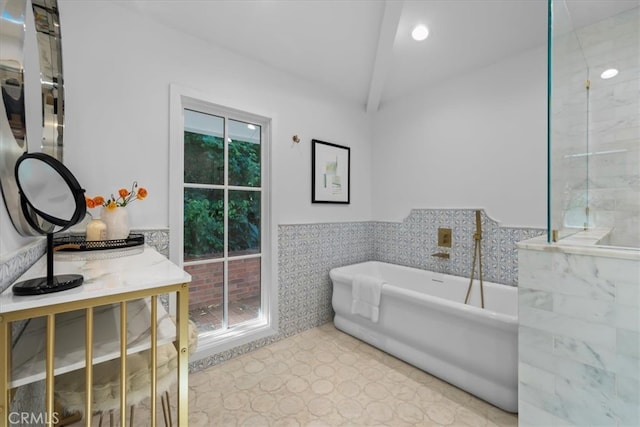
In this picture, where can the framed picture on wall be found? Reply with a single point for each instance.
(330, 173)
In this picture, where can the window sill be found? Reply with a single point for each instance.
(210, 344)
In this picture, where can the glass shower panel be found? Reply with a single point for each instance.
(613, 43)
(568, 126)
(594, 120)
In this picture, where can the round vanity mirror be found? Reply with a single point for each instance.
(51, 197)
(51, 200)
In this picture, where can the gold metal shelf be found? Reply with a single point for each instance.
(120, 281)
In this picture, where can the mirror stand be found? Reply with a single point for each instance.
(49, 283)
(52, 201)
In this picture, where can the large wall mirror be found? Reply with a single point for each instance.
(32, 108)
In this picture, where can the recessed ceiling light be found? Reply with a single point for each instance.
(420, 32)
(250, 126)
(607, 74)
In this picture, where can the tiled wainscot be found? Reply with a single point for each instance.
(307, 252)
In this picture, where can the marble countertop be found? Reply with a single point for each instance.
(106, 273)
(582, 243)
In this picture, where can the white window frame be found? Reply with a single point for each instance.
(213, 342)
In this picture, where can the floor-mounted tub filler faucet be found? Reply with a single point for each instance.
(477, 255)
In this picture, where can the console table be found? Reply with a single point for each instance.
(114, 313)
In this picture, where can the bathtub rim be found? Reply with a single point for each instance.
(506, 321)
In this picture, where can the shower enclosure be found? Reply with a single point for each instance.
(579, 298)
(594, 121)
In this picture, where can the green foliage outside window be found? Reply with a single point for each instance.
(204, 208)
(203, 159)
(203, 223)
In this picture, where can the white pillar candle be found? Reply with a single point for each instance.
(96, 230)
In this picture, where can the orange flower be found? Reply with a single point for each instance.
(142, 193)
(124, 198)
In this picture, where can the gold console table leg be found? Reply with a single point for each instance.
(123, 363)
(50, 380)
(183, 354)
(5, 370)
(88, 396)
(154, 359)
(181, 343)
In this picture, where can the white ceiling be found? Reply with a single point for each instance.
(362, 49)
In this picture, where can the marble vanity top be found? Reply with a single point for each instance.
(108, 272)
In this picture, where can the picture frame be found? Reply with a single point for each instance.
(330, 173)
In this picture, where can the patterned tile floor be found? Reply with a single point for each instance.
(323, 377)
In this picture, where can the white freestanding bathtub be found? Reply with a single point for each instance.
(423, 320)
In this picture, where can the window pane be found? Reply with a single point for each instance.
(203, 223)
(244, 222)
(203, 148)
(244, 290)
(206, 295)
(244, 154)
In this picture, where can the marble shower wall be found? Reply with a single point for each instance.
(413, 241)
(578, 336)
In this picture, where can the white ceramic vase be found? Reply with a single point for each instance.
(117, 221)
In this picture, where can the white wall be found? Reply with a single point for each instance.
(474, 141)
(118, 69)
(477, 140)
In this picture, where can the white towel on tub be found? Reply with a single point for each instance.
(365, 294)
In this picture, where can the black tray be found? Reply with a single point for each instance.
(72, 242)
